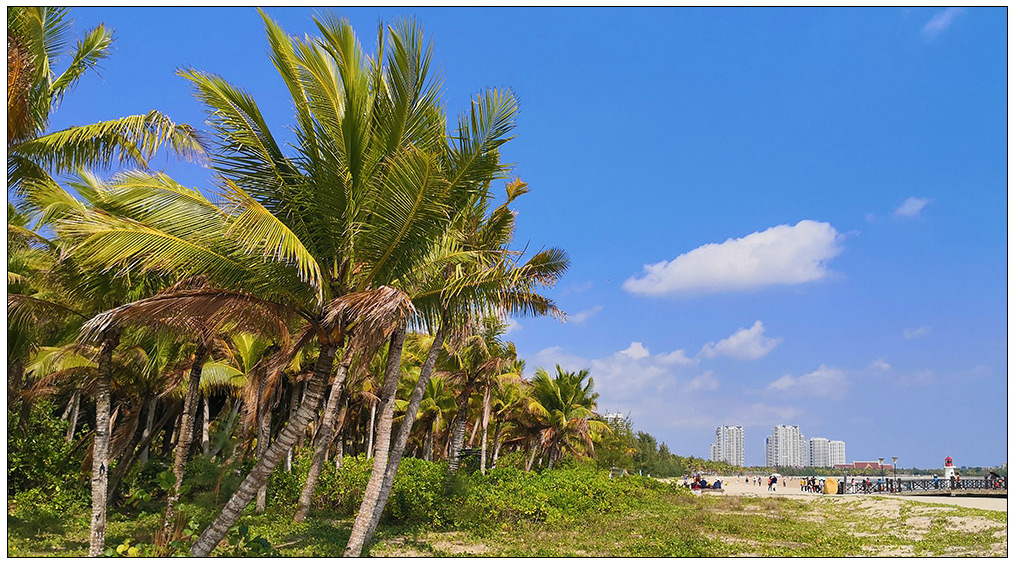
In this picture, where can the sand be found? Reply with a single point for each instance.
(731, 487)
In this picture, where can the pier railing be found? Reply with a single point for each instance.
(922, 485)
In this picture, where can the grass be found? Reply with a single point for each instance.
(662, 524)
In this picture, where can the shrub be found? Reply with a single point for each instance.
(341, 490)
(417, 494)
(508, 496)
(39, 458)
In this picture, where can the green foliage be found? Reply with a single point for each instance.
(284, 487)
(38, 458)
(508, 497)
(417, 494)
(241, 543)
(340, 490)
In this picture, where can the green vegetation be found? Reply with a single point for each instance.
(321, 329)
(573, 510)
(640, 453)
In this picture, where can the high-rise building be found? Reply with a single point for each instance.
(820, 453)
(837, 452)
(785, 447)
(728, 445)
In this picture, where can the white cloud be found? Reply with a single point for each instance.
(870, 217)
(940, 22)
(911, 207)
(917, 332)
(880, 364)
(512, 326)
(626, 376)
(704, 381)
(784, 254)
(584, 315)
(825, 382)
(636, 351)
(743, 344)
(676, 357)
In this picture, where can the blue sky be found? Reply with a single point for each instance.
(774, 216)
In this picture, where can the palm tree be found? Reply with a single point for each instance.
(564, 404)
(438, 403)
(36, 38)
(469, 274)
(478, 358)
(318, 234)
(502, 395)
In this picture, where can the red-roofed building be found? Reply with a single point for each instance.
(865, 465)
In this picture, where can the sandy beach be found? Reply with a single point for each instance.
(739, 486)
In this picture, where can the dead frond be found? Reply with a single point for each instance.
(196, 312)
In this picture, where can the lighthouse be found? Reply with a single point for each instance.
(949, 469)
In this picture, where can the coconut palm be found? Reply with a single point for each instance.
(469, 274)
(468, 365)
(507, 402)
(70, 287)
(318, 233)
(506, 380)
(564, 405)
(36, 38)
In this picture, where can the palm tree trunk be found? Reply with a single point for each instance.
(70, 403)
(458, 425)
(531, 458)
(485, 427)
(263, 435)
(100, 448)
(339, 431)
(371, 499)
(325, 434)
(206, 427)
(294, 399)
(148, 429)
(372, 432)
(496, 439)
(214, 534)
(15, 381)
(475, 429)
(224, 437)
(74, 411)
(428, 442)
(186, 434)
(398, 449)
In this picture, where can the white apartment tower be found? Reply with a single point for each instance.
(820, 453)
(785, 447)
(728, 445)
(837, 450)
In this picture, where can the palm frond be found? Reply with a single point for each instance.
(90, 50)
(132, 139)
(371, 315)
(195, 312)
(472, 159)
(257, 230)
(410, 211)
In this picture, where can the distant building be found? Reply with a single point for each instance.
(837, 449)
(728, 446)
(820, 452)
(785, 447)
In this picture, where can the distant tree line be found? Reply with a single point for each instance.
(639, 452)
